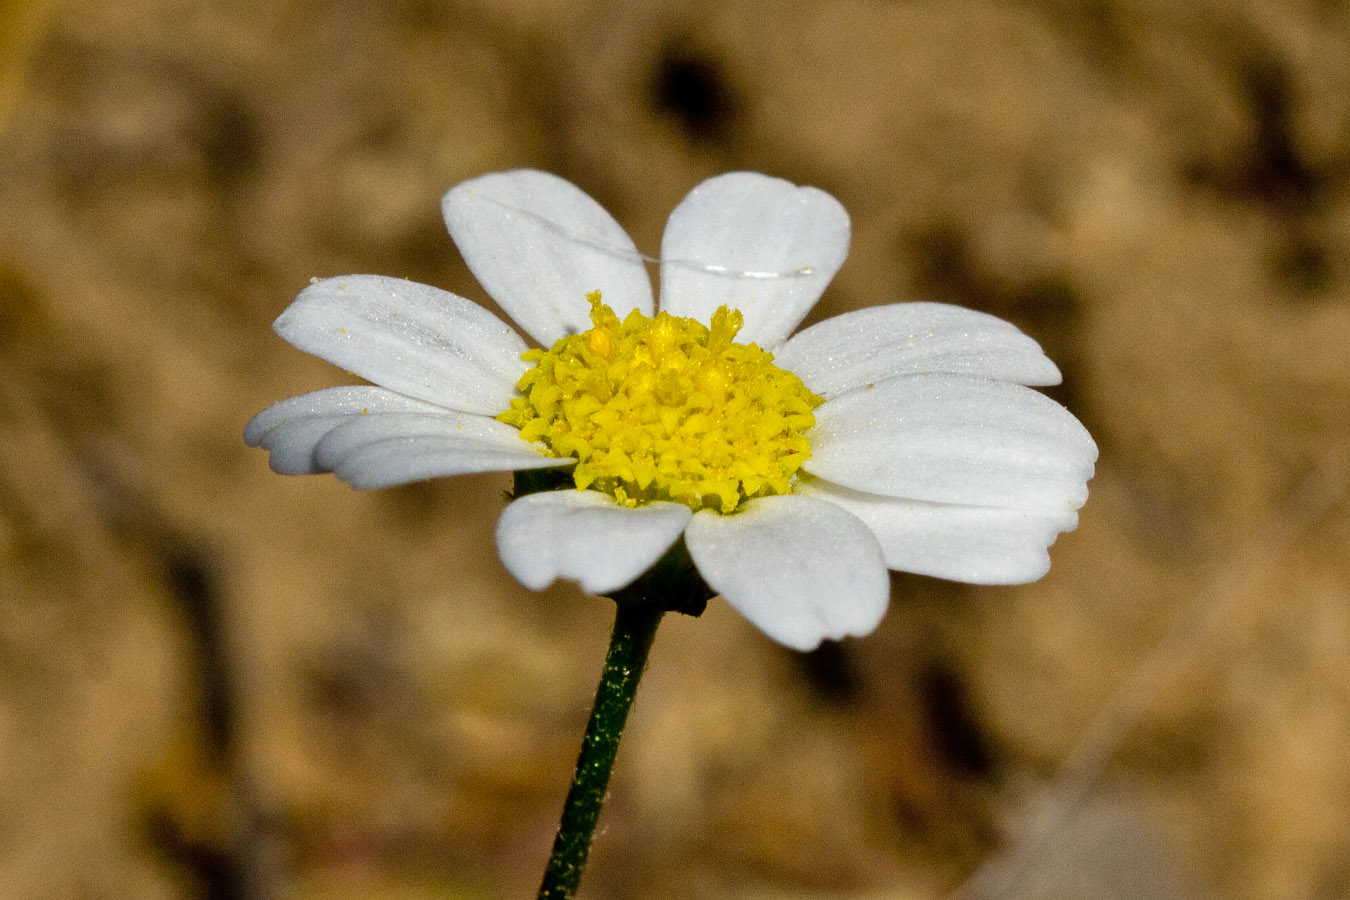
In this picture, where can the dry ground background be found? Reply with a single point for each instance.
(216, 682)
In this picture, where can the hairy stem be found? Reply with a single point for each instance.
(634, 628)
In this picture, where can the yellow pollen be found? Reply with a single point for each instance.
(666, 408)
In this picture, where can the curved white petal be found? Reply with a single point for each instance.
(954, 439)
(411, 338)
(586, 537)
(404, 460)
(395, 462)
(974, 544)
(465, 428)
(869, 345)
(799, 568)
(539, 244)
(292, 428)
(757, 244)
(395, 448)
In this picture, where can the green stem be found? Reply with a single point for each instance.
(634, 628)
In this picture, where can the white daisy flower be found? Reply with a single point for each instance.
(797, 468)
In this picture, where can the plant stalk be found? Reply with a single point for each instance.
(634, 629)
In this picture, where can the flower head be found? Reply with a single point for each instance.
(796, 469)
(666, 408)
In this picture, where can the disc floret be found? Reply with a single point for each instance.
(666, 408)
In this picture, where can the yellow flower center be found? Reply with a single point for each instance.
(666, 408)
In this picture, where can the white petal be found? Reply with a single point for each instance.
(754, 243)
(538, 245)
(405, 460)
(974, 544)
(292, 428)
(395, 448)
(953, 439)
(863, 347)
(409, 337)
(466, 428)
(586, 537)
(799, 568)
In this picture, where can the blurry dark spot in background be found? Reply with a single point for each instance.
(418, 504)
(355, 682)
(215, 873)
(214, 861)
(1302, 264)
(1268, 167)
(22, 311)
(943, 268)
(192, 584)
(230, 139)
(948, 269)
(956, 734)
(830, 671)
(1275, 172)
(691, 87)
(1271, 170)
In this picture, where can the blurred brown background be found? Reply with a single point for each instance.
(216, 682)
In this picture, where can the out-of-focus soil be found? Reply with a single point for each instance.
(214, 680)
